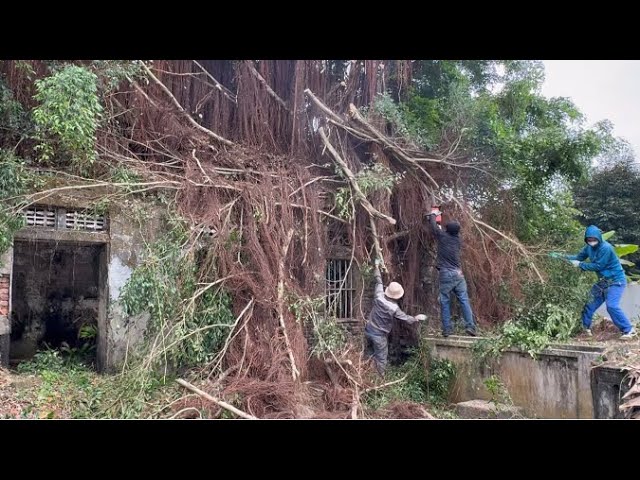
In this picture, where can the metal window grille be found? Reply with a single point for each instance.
(340, 290)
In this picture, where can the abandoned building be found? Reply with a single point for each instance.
(60, 282)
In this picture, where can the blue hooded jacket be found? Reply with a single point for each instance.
(604, 260)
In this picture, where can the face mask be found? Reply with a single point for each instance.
(593, 244)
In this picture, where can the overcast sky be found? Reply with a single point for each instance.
(602, 89)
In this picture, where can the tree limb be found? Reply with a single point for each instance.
(285, 248)
(184, 113)
(352, 180)
(264, 83)
(224, 405)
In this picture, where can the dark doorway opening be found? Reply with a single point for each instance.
(58, 299)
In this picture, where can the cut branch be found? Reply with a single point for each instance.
(352, 180)
(323, 107)
(220, 403)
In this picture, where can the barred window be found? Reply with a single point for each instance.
(340, 290)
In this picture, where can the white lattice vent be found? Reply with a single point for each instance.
(79, 220)
(40, 217)
(64, 219)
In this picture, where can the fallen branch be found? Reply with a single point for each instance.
(355, 403)
(323, 107)
(220, 403)
(355, 114)
(352, 180)
(294, 370)
(184, 113)
(264, 83)
(376, 242)
(225, 91)
(378, 387)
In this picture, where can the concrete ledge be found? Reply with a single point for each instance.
(35, 234)
(555, 384)
(486, 409)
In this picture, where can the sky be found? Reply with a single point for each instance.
(601, 89)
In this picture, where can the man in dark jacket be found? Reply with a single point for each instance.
(385, 309)
(611, 281)
(451, 277)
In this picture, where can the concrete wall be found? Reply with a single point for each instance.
(555, 385)
(630, 303)
(128, 239)
(608, 386)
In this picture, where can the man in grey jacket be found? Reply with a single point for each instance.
(385, 309)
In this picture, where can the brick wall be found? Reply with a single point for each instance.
(4, 295)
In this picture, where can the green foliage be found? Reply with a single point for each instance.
(530, 145)
(329, 336)
(610, 197)
(111, 73)
(14, 120)
(371, 179)
(548, 312)
(428, 380)
(68, 388)
(68, 114)
(192, 320)
(498, 390)
(13, 182)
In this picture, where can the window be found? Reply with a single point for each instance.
(64, 219)
(340, 291)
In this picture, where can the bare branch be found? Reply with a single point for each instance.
(184, 113)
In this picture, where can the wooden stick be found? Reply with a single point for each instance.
(224, 405)
(294, 370)
(371, 389)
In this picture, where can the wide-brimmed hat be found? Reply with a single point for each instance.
(394, 290)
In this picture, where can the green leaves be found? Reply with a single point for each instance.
(69, 114)
(193, 319)
(625, 249)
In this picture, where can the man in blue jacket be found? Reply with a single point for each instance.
(611, 281)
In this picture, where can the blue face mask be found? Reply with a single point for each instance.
(593, 244)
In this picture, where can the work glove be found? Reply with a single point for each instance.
(421, 317)
(575, 263)
(556, 255)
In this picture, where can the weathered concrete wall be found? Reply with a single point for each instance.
(630, 304)
(129, 235)
(607, 388)
(5, 291)
(556, 385)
